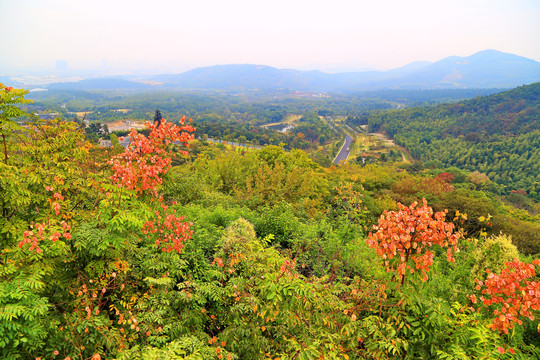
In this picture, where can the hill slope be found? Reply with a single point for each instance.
(498, 135)
(100, 84)
(488, 68)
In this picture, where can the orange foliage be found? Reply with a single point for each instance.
(39, 233)
(408, 233)
(446, 177)
(516, 289)
(140, 166)
(168, 230)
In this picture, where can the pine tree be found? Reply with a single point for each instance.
(158, 117)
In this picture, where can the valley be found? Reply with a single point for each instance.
(284, 180)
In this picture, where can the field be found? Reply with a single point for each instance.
(289, 119)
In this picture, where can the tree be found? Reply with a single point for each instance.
(515, 293)
(140, 167)
(405, 235)
(158, 117)
(9, 98)
(72, 243)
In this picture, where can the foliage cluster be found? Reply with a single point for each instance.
(497, 135)
(267, 259)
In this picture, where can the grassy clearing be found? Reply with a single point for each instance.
(288, 119)
(375, 145)
(82, 114)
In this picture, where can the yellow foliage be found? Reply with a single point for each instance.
(492, 253)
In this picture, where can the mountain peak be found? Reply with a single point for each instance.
(496, 54)
(484, 69)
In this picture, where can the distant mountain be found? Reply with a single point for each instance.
(100, 84)
(258, 77)
(485, 69)
(248, 77)
(409, 68)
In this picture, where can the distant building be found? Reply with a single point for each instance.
(50, 116)
(125, 141)
(105, 143)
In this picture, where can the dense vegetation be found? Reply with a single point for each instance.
(498, 135)
(308, 132)
(251, 254)
(255, 108)
(237, 117)
(426, 97)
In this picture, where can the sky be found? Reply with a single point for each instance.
(168, 35)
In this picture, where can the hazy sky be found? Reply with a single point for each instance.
(176, 35)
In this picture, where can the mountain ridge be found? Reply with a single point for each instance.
(484, 69)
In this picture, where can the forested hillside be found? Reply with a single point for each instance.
(497, 135)
(175, 248)
(255, 108)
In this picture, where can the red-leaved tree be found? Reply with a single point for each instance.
(515, 293)
(168, 230)
(142, 164)
(406, 235)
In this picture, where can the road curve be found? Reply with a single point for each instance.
(343, 153)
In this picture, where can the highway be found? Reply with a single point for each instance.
(343, 153)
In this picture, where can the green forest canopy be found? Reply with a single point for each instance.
(249, 254)
(498, 135)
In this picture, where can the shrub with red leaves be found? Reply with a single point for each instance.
(406, 235)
